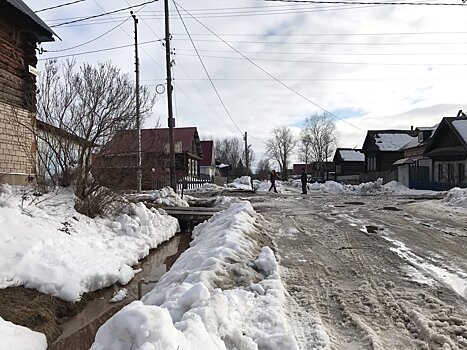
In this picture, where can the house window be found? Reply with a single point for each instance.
(451, 172)
(371, 165)
(461, 172)
(440, 172)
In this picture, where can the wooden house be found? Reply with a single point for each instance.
(349, 163)
(382, 148)
(413, 170)
(447, 151)
(207, 165)
(20, 32)
(116, 165)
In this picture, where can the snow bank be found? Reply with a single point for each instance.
(366, 188)
(241, 183)
(457, 197)
(48, 246)
(165, 196)
(207, 187)
(14, 337)
(217, 295)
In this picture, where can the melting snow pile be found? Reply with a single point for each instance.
(13, 337)
(208, 187)
(46, 245)
(457, 197)
(368, 188)
(241, 183)
(220, 294)
(166, 197)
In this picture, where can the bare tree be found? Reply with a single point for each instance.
(263, 169)
(230, 151)
(280, 146)
(304, 147)
(91, 102)
(321, 131)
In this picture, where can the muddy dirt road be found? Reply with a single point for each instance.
(370, 272)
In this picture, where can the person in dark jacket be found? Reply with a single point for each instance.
(273, 181)
(304, 179)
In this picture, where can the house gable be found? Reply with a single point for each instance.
(449, 139)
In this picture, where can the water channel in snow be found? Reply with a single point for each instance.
(78, 332)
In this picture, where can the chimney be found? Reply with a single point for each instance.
(460, 114)
(411, 127)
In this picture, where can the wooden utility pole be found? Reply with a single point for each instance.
(246, 153)
(171, 120)
(138, 116)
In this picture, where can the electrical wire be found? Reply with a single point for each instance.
(101, 14)
(332, 62)
(392, 3)
(94, 51)
(57, 6)
(206, 71)
(92, 40)
(269, 74)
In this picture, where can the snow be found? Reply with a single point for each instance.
(461, 127)
(241, 183)
(165, 196)
(369, 188)
(392, 142)
(14, 337)
(352, 155)
(457, 197)
(195, 304)
(119, 296)
(207, 187)
(48, 246)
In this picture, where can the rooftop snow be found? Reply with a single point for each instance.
(392, 142)
(352, 156)
(461, 127)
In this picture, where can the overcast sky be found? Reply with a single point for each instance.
(372, 67)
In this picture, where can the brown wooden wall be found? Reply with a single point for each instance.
(17, 52)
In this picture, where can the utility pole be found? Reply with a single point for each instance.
(246, 152)
(171, 120)
(138, 116)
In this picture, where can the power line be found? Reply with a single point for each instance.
(101, 14)
(206, 71)
(57, 6)
(327, 43)
(269, 74)
(323, 34)
(99, 50)
(373, 2)
(333, 62)
(92, 40)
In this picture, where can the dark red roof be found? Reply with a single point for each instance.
(207, 147)
(154, 140)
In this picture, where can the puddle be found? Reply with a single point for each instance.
(391, 208)
(78, 332)
(457, 280)
(355, 203)
(371, 229)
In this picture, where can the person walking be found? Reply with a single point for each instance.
(273, 181)
(304, 179)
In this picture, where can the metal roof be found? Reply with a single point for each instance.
(21, 6)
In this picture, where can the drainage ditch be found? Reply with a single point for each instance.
(78, 332)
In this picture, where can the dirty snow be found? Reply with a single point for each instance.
(48, 246)
(241, 183)
(119, 296)
(191, 307)
(166, 197)
(457, 197)
(14, 337)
